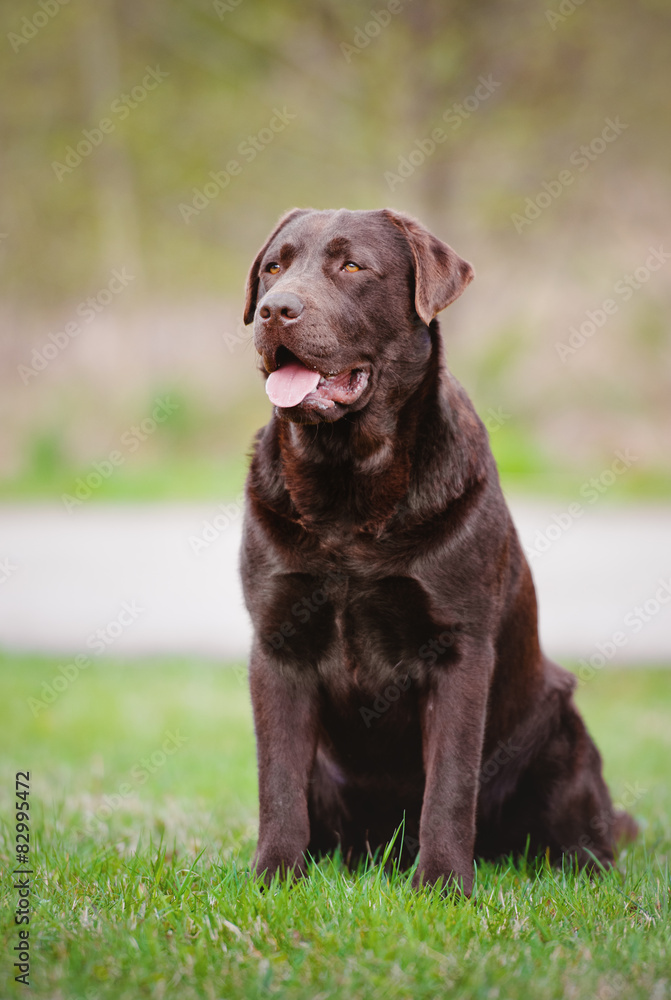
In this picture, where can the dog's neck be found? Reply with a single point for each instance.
(364, 471)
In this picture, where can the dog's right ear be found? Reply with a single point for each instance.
(440, 273)
(253, 277)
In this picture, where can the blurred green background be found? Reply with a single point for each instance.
(550, 176)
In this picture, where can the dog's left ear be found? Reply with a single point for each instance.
(253, 277)
(440, 273)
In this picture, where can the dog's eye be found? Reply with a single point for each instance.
(273, 268)
(351, 266)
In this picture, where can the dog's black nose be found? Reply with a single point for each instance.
(280, 307)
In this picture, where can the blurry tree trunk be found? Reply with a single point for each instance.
(429, 96)
(112, 166)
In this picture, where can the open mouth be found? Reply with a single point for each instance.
(293, 383)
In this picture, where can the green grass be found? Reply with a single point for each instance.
(526, 467)
(142, 889)
(182, 479)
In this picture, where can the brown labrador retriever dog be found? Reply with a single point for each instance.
(396, 673)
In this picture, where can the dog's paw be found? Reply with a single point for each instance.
(287, 864)
(432, 872)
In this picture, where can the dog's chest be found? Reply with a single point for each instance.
(354, 630)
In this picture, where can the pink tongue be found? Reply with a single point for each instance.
(290, 384)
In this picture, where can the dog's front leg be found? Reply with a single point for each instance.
(285, 718)
(453, 722)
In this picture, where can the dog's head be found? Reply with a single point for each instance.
(341, 302)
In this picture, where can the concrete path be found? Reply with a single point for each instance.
(157, 579)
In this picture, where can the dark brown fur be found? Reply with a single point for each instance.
(396, 672)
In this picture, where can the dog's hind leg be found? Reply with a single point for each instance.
(560, 803)
(576, 818)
